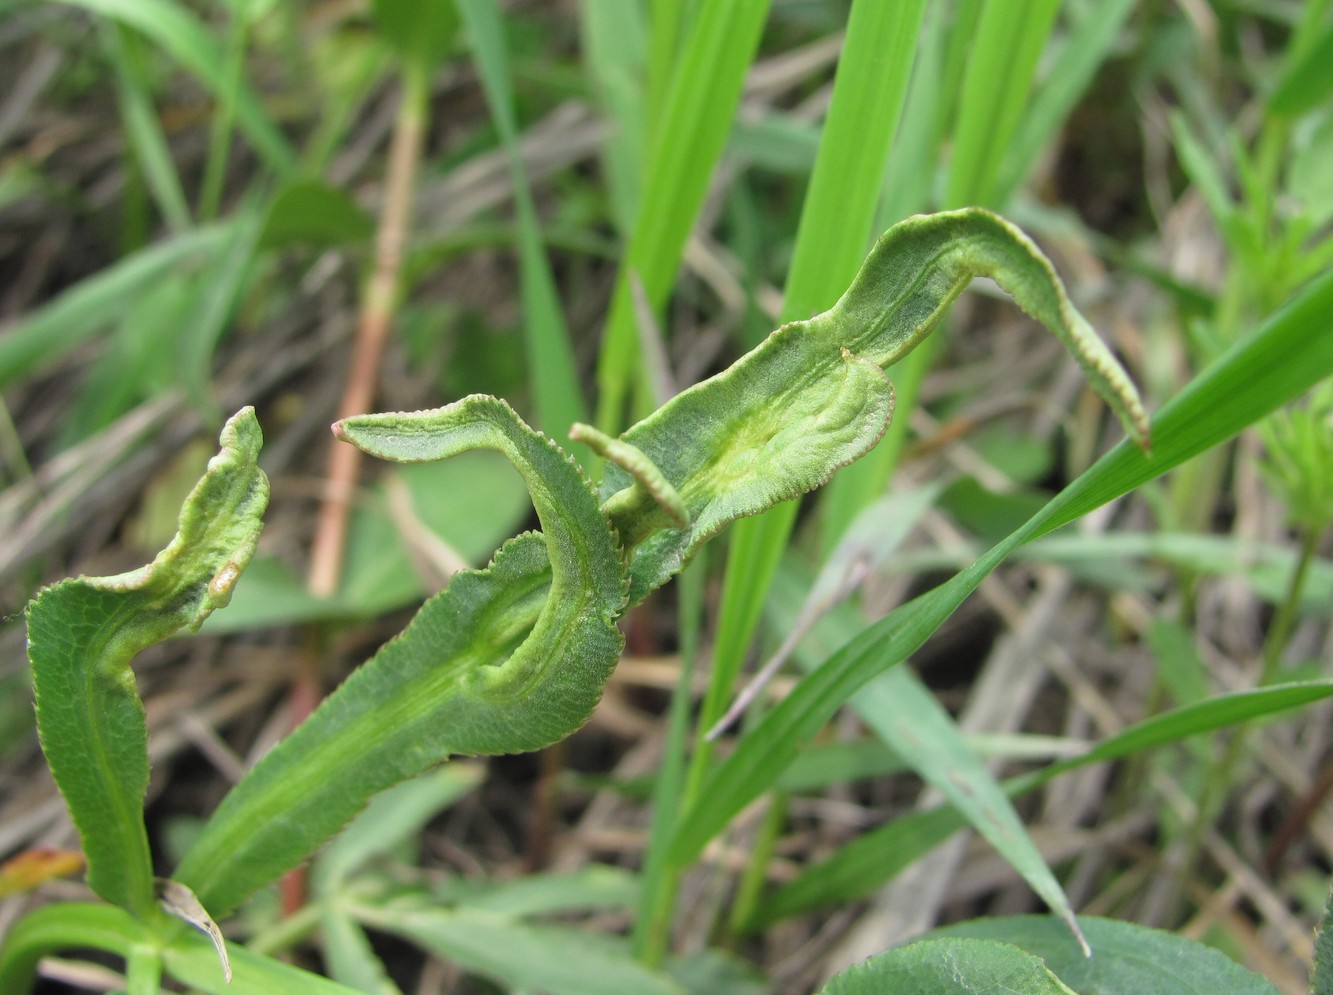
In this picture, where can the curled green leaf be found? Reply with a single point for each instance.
(82, 635)
(514, 657)
(813, 397)
(505, 659)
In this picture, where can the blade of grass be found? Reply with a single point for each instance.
(550, 356)
(1001, 62)
(43, 337)
(224, 117)
(695, 121)
(1282, 360)
(142, 128)
(185, 39)
(873, 858)
(830, 243)
(612, 36)
(652, 926)
(1084, 51)
(907, 190)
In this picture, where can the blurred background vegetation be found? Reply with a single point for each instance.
(347, 205)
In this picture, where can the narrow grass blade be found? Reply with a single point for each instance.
(614, 47)
(181, 34)
(144, 130)
(685, 146)
(521, 955)
(998, 78)
(863, 865)
(1276, 364)
(44, 337)
(1084, 51)
(835, 225)
(218, 295)
(550, 356)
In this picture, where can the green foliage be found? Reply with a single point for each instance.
(82, 635)
(231, 212)
(512, 657)
(944, 967)
(1299, 467)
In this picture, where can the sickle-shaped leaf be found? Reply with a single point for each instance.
(506, 659)
(813, 396)
(82, 635)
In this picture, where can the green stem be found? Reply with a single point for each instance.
(1279, 633)
(661, 881)
(751, 885)
(143, 970)
(1222, 774)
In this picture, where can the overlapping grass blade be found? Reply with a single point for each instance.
(43, 337)
(551, 366)
(1001, 63)
(873, 858)
(178, 32)
(614, 43)
(835, 226)
(1279, 362)
(144, 130)
(684, 147)
(1087, 47)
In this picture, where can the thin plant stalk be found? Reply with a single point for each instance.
(376, 319)
(344, 465)
(652, 927)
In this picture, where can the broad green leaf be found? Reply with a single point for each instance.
(494, 664)
(813, 397)
(524, 956)
(83, 634)
(1127, 959)
(949, 967)
(421, 31)
(311, 212)
(1279, 362)
(506, 659)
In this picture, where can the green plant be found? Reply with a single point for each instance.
(514, 656)
(706, 189)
